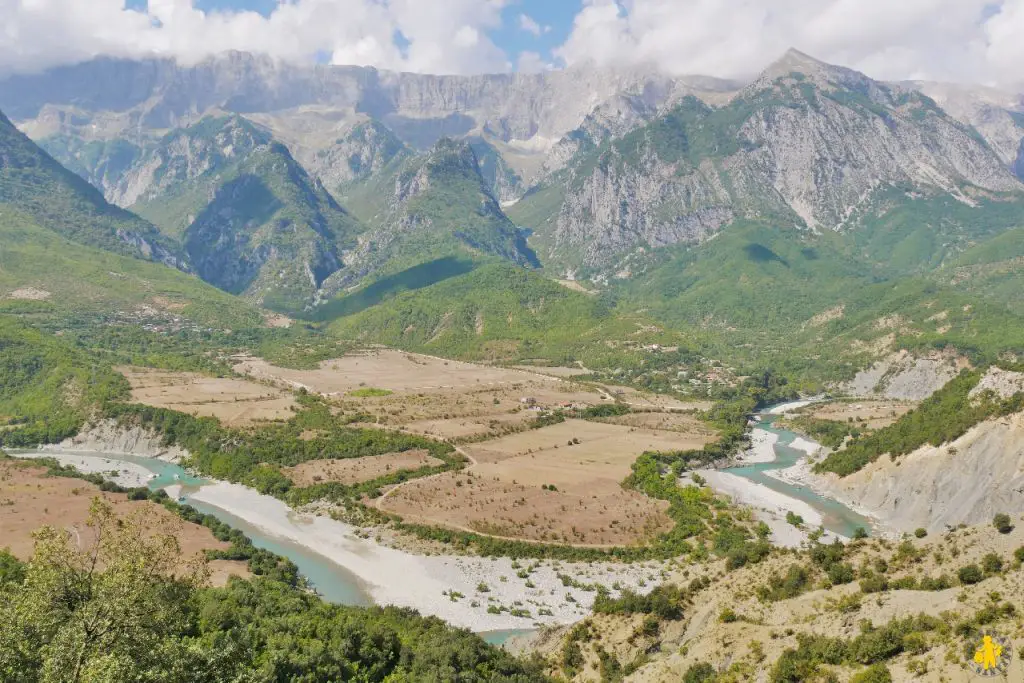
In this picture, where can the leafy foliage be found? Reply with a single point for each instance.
(114, 611)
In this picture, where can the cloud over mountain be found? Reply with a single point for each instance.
(967, 40)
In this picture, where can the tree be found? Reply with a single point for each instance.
(1002, 523)
(103, 611)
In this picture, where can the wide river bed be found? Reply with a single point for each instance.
(836, 517)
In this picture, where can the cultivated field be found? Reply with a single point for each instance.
(232, 401)
(877, 414)
(536, 486)
(29, 499)
(356, 470)
(387, 369)
(672, 421)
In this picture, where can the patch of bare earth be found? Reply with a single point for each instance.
(667, 421)
(29, 499)
(233, 401)
(29, 294)
(387, 369)
(357, 470)
(536, 486)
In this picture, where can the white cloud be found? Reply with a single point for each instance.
(976, 40)
(532, 63)
(530, 25)
(444, 36)
(972, 40)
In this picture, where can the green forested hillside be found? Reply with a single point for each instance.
(431, 208)
(811, 304)
(45, 276)
(47, 388)
(500, 312)
(59, 200)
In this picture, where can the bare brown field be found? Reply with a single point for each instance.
(642, 399)
(462, 427)
(501, 493)
(233, 401)
(387, 369)
(672, 421)
(877, 414)
(553, 371)
(431, 396)
(29, 499)
(357, 470)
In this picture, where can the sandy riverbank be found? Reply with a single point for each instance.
(762, 447)
(806, 445)
(122, 473)
(769, 506)
(784, 408)
(394, 577)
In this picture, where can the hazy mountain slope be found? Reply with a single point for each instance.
(308, 108)
(806, 145)
(250, 218)
(31, 181)
(425, 208)
(997, 115)
(45, 276)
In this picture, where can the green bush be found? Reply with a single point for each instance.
(1002, 523)
(874, 583)
(970, 574)
(876, 673)
(992, 563)
(841, 573)
(920, 532)
(700, 673)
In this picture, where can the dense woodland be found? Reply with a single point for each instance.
(63, 619)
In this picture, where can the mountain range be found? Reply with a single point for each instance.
(729, 207)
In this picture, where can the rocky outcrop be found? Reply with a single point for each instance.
(903, 376)
(107, 436)
(967, 481)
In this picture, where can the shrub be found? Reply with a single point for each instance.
(920, 532)
(992, 563)
(1002, 523)
(794, 519)
(728, 616)
(784, 587)
(860, 533)
(876, 673)
(840, 573)
(874, 583)
(970, 574)
(1018, 554)
(700, 673)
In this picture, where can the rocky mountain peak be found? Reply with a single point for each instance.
(798, 66)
